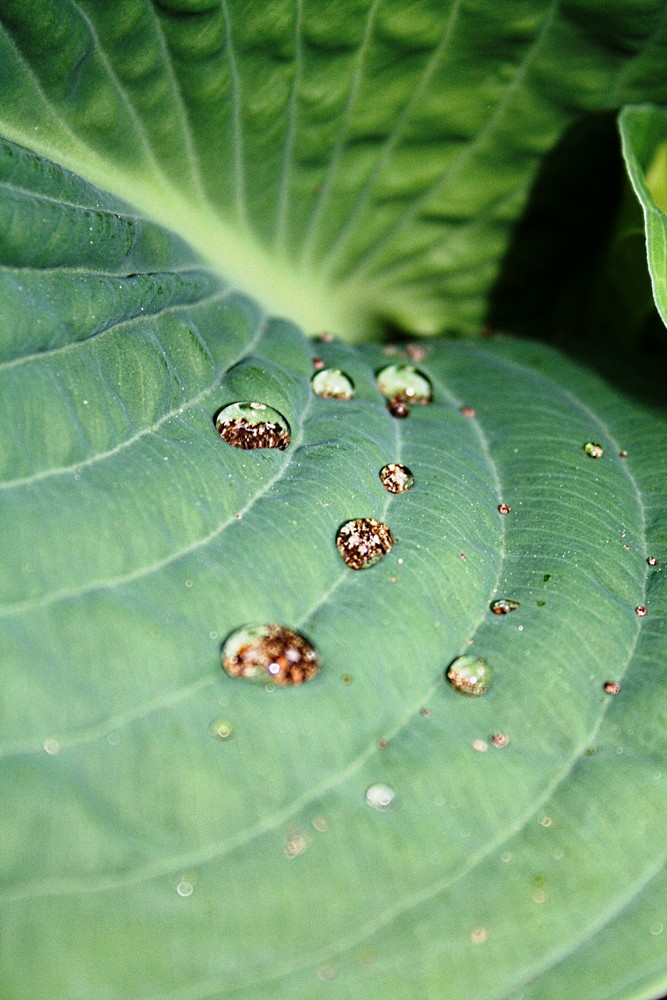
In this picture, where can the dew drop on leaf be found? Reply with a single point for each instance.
(641, 611)
(363, 541)
(467, 411)
(185, 889)
(504, 605)
(504, 508)
(396, 478)
(318, 364)
(612, 687)
(220, 730)
(332, 383)
(273, 653)
(398, 409)
(252, 425)
(652, 561)
(593, 450)
(404, 384)
(500, 740)
(380, 797)
(469, 675)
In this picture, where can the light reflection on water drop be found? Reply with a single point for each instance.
(332, 383)
(250, 425)
(380, 797)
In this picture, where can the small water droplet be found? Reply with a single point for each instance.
(593, 450)
(326, 973)
(426, 712)
(539, 896)
(262, 653)
(326, 338)
(296, 843)
(612, 687)
(467, 411)
(318, 364)
(396, 478)
(623, 454)
(478, 935)
(220, 730)
(641, 611)
(657, 928)
(506, 857)
(504, 508)
(541, 604)
(380, 797)
(346, 679)
(481, 746)
(51, 746)
(383, 744)
(363, 541)
(404, 384)
(321, 824)
(417, 352)
(545, 821)
(546, 577)
(500, 740)
(398, 409)
(185, 889)
(332, 383)
(652, 561)
(469, 675)
(504, 606)
(252, 425)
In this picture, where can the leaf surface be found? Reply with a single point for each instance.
(146, 858)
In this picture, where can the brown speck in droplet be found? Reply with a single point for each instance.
(325, 337)
(363, 541)
(383, 744)
(478, 935)
(641, 611)
(398, 409)
(623, 454)
(296, 843)
(504, 606)
(626, 547)
(463, 556)
(239, 517)
(612, 687)
(500, 740)
(426, 712)
(504, 508)
(262, 653)
(467, 411)
(652, 561)
(318, 364)
(346, 679)
(593, 449)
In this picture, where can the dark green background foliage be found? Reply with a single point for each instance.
(188, 192)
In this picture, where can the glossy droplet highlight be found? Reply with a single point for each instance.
(363, 542)
(504, 508)
(504, 605)
(332, 383)
(380, 797)
(396, 478)
(593, 450)
(252, 425)
(469, 674)
(262, 653)
(404, 384)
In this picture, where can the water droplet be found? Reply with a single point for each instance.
(467, 411)
(612, 687)
(332, 383)
(404, 384)
(326, 973)
(363, 541)
(539, 896)
(325, 337)
(506, 857)
(541, 604)
(383, 744)
(641, 611)
(478, 935)
(657, 928)
(398, 409)
(504, 606)
(545, 821)
(504, 508)
(546, 577)
(346, 679)
(296, 843)
(481, 746)
(220, 729)
(380, 797)
(396, 478)
(500, 740)
(185, 889)
(426, 712)
(252, 425)
(321, 824)
(318, 364)
(51, 746)
(262, 653)
(593, 450)
(469, 675)
(623, 454)
(417, 352)
(652, 561)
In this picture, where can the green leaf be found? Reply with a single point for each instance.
(350, 164)
(644, 134)
(144, 857)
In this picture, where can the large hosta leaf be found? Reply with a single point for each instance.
(347, 162)
(145, 858)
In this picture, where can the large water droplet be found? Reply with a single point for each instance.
(404, 384)
(252, 425)
(504, 606)
(363, 541)
(332, 383)
(469, 675)
(262, 653)
(396, 478)
(380, 797)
